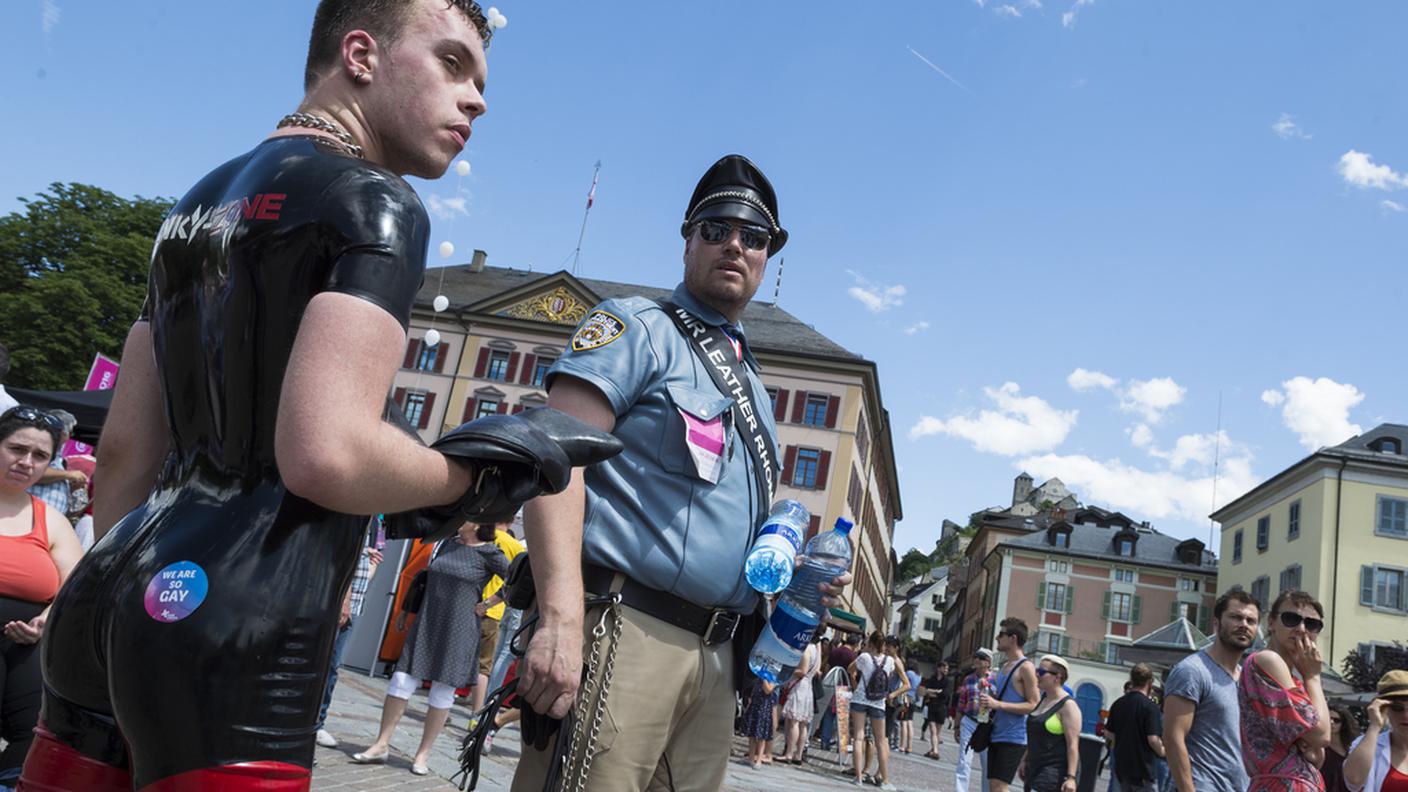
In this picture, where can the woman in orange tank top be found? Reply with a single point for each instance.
(38, 549)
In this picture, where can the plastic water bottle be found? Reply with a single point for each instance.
(770, 562)
(984, 714)
(799, 610)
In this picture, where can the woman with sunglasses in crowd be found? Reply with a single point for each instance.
(38, 549)
(1285, 720)
(1053, 732)
(1343, 731)
(1378, 760)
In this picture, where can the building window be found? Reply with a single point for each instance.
(1290, 578)
(1124, 575)
(486, 407)
(815, 412)
(1393, 517)
(1055, 599)
(425, 361)
(1058, 566)
(1382, 587)
(414, 406)
(1050, 643)
(804, 471)
(1187, 584)
(1120, 607)
(1237, 547)
(1386, 445)
(853, 493)
(862, 438)
(1061, 539)
(1261, 590)
(1293, 521)
(1124, 547)
(1263, 533)
(540, 371)
(1186, 610)
(931, 625)
(498, 366)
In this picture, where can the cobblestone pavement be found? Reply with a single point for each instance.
(356, 713)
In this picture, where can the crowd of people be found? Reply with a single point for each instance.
(1227, 718)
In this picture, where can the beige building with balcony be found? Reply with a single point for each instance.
(1334, 524)
(505, 327)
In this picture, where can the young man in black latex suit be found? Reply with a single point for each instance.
(189, 648)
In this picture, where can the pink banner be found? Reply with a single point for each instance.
(102, 375)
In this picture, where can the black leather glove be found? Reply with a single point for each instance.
(514, 458)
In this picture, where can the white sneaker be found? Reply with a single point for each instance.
(326, 739)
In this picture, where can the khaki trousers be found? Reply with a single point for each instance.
(669, 714)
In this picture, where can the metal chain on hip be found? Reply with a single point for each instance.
(584, 737)
(324, 125)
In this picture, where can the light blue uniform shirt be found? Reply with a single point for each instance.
(648, 512)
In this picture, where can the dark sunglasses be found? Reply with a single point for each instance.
(1291, 620)
(716, 231)
(35, 416)
(1398, 706)
(1041, 672)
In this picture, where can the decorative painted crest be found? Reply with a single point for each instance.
(558, 306)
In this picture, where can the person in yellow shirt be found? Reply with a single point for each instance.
(491, 610)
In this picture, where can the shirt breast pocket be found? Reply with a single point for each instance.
(697, 433)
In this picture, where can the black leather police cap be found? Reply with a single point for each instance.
(734, 188)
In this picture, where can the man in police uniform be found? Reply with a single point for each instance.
(668, 522)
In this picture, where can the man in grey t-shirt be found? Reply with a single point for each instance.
(1202, 720)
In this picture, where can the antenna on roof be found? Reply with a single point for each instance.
(1216, 458)
(777, 290)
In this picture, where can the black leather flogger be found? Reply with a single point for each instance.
(516, 458)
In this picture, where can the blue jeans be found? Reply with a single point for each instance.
(338, 645)
(828, 728)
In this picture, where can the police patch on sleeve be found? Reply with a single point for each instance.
(599, 329)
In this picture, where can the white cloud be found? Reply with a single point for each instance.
(1008, 11)
(51, 16)
(1358, 169)
(446, 208)
(1018, 425)
(1068, 19)
(1152, 398)
(1141, 436)
(877, 298)
(1285, 128)
(1317, 410)
(1083, 380)
(980, 3)
(1392, 206)
(918, 327)
(1202, 449)
(1152, 493)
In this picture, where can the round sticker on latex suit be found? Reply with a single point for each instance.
(176, 591)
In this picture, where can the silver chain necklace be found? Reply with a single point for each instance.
(322, 124)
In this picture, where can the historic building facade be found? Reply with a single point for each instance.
(503, 328)
(1334, 524)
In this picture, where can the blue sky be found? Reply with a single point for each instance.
(1123, 209)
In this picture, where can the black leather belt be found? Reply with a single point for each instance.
(714, 626)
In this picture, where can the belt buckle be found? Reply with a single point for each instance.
(721, 627)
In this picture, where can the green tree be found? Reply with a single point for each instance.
(1364, 675)
(912, 565)
(73, 274)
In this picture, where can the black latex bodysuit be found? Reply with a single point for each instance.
(130, 681)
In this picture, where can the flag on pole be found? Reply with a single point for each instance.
(591, 194)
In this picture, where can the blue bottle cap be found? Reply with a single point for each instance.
(843, 525)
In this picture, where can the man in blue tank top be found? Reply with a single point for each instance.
(1017, 696)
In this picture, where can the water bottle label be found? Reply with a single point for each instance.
(792, 535)
(791, 628)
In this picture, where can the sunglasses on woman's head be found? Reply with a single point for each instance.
(33, 415)
(1292, 620)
